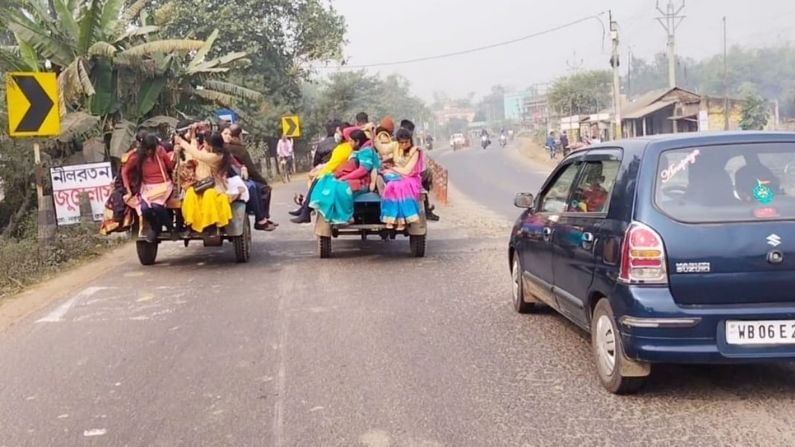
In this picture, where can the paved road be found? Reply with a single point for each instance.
(372, 348)
(503, 170)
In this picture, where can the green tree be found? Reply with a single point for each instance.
(754, 113)
(582, 93)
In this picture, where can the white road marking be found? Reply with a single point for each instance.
(59, 312)
(95, 432)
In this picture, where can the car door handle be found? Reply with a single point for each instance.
(587, 240)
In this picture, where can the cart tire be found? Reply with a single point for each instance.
(324, 246)
(147, 252)
(243, 243)
(417, 244)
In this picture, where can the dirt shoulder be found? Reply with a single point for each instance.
(60, 284)
(535, 153)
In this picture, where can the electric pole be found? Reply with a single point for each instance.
(615, 62)
(670, 21)
(725, 79)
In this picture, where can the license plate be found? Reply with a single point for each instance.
(778, 332)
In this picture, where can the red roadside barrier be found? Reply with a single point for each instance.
(439, 180)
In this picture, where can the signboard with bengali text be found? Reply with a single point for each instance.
(69, 182)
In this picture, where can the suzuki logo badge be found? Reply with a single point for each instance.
(774, 240)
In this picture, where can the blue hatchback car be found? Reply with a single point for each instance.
(676, 249)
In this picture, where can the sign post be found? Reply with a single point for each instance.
(31, 99)
(291, 126)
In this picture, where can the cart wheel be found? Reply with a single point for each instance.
(147, 252)
(417, 244)
(243, 243)
(324, 245)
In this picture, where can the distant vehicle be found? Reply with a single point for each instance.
(678, 249)
(503, 140)
(458, 141)
(484, 141)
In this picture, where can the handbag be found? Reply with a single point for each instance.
(159, 191)
(203, 185)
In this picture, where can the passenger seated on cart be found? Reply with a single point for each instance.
(236, 188)
(205, 204)
(333, 194)
(400, 201)
(150, 168)
(339, 156)
(361, 170)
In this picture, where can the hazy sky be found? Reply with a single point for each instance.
(384, 31)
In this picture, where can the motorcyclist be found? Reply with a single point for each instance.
(503, 138)
(484, 138)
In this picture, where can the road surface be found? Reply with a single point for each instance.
(371, 348)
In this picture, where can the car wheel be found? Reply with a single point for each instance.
(519, 304)
(612, 363)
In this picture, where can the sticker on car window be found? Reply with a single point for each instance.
(670, 172)
(763, 193)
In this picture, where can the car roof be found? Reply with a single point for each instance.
(669, 141)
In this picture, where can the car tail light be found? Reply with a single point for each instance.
(642, 256)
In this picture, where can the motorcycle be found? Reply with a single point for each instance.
(503, 140)
(484, 142)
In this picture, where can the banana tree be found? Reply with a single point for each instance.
(111, 64)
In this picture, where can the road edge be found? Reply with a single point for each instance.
(16, 308)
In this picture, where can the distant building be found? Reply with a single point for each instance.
(677, 110)
(515, 104)
(449, 113)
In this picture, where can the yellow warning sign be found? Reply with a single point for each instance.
(32, 100)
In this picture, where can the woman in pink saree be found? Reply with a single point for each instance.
(400, 202)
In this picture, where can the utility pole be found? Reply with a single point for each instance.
(615, 62)
(629, 72)
(725, 79)
(670, 21)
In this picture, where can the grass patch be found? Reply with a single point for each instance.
(24, 262)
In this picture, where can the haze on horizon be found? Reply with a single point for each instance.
(388, 31)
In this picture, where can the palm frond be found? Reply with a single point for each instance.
(73, 84)
(163, 46)
(202, 53)
(222, 99)
(11, 61)
(68, 21)
(76, 123)
(103, 49)
(139, 31)
(111, 12)
(233, 89)
(128, 16)
(28, 54)
(121, 138)
(89, 26)
(219, 62)
(46, 45)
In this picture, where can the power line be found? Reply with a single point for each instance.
(670, 21)
(478, 49)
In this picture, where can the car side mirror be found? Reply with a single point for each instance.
(524, 200)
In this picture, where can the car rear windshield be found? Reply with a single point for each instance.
(732, 183)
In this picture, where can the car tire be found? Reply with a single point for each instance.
(608, 351)
(519, 303)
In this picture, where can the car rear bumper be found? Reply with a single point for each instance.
(691, 334)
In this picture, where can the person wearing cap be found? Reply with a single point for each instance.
(327, 145)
